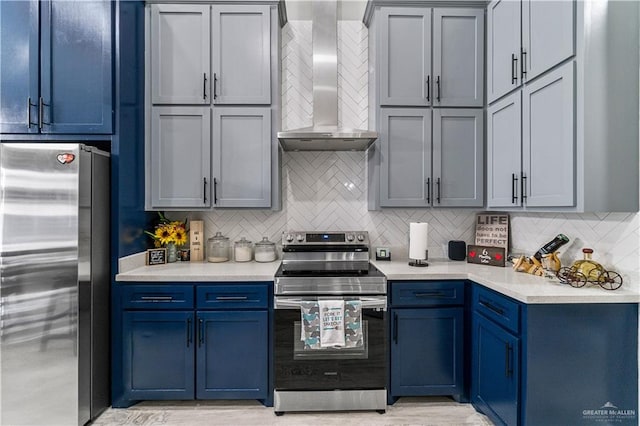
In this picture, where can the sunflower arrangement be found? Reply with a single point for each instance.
(169, 231)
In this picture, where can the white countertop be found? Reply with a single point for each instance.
(520, 286)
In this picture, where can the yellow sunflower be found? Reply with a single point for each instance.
(180, 236)
(164, 234)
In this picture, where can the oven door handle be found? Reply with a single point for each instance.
(296, 302)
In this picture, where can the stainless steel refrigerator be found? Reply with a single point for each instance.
(54, 283)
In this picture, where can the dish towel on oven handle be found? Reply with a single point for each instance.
(353, 323)
(331, 323)
(310, 325)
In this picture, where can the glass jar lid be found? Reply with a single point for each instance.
(243, 242)
(265, 243)
(218, 238)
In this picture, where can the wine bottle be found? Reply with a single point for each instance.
(552, 246)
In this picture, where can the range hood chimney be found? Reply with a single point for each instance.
(325, 135)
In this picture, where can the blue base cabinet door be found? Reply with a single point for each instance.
(495, 371)
(231, 356)
(426, 351)
(158, 355)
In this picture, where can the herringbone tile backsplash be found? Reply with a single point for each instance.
(328, 190)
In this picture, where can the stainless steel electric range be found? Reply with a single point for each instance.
(316, 267)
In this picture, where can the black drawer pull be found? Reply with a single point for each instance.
(508, 369)
(395, 328)
(157, 298)
(232, 298)
(200, 332)
(189, 336)
(430, 294)
(492, 308)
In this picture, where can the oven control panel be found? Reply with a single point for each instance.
(328, 238)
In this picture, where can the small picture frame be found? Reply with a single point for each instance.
(156, 256)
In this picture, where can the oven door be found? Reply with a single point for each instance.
(361, 367)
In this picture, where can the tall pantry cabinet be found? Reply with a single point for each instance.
(212, 106)
(562, 115)
(426, 87)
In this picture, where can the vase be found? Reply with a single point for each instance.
(172, 253)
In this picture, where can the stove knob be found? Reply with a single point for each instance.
(360, 237)
(350, 237)
(300, 238)
(289, 238)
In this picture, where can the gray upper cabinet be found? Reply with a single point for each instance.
(503, 48)
(458, 156)
(548, 29)
(242, 157)
(549, 139)
(405, 163)
(405, 56)
(180, 157)
(458, 57)
(180, 49)
(241, 54)
(504, 152)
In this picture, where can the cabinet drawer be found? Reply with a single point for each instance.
(502, 310)
(232, 296)
(157, 297)
(427, 293)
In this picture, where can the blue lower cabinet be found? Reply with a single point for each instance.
(426, 352)
(232, 360)
(158, 361)
(495, 371)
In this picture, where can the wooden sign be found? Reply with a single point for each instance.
(492, 230)
(156, 256)
(196, 237)
(485, 255)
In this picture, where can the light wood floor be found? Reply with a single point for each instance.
(407, 411)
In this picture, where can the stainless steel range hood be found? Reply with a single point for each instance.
(325, 135)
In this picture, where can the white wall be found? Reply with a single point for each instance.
(327, 191)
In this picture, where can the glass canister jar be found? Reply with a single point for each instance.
(218, 248)
(243, 250)
(265, 251)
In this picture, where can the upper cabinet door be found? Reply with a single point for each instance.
(458, 157)
(19, 66)
(180, 157)
(503, 48)
(180, 49)
(76, 67)
(548, 128)
(548, 29)
(458, 57)
(504, 136)
(405, 56)
(405, 157)
(241, 54)
(242, 157)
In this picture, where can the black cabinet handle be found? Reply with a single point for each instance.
(523, 64)
(428, 190)
(514, 69)
(215, 84)
(514, 188)
(438, 85)
(189, 332)
(29, 123)
(40, 112)
(508, 362)
(523, 190)
(492, 308)
(428, 88)
(215, 191)
(204, 87)
(395, 328)
(200, 332)
(429, 294)
(438, 185)
(204, 190)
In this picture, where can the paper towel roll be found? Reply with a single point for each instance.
(418, 235)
